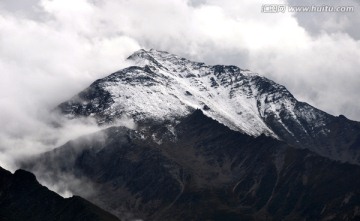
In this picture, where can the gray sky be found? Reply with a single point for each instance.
(51, 49)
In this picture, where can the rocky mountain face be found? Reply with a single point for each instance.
(205, 171)
(211, 143)
(164, 87)
(23, 198)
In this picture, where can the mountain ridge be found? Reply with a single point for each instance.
(164, 87)
(22, 197)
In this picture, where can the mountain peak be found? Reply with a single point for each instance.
(183, 67)
(164, 60)
(163, 87)
(155, 54)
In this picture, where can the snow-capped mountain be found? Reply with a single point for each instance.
(162, 87)
(211, 143)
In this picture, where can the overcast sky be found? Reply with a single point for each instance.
(51, 49)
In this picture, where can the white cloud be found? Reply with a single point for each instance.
(324, 73)
(55, 48)
(43, 63)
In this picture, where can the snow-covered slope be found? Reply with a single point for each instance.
(164, 87)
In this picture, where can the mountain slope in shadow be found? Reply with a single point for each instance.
(23, 198)
(202, 170)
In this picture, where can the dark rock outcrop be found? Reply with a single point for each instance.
(23, 198)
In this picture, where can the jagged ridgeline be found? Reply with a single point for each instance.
(163, 87)
(211, 143)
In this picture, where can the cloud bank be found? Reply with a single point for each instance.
(51, 49)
